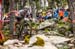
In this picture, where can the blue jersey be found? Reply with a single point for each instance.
(55, 15)
(66, 13)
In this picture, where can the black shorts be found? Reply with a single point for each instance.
(61, 17)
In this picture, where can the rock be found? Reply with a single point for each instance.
(12, 47)
(49, 46)
(21, 41)
(10, 42)
(24, 47)
(35, 47)
(1, 47)
(52, 33)
(57, 39)
(33, 38)
(59, 45)
(45, 24)
(13, 42)
(5, 47)
(71, 45)
(49, 42)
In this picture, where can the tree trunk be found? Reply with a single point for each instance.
(11, 17)
(32, 4)
(51, 3)
(71, 4)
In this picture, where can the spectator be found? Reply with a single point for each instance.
(61, 13)
(48, 15)
(66, 13)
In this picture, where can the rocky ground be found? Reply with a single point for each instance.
(51, 42)
(49, 38)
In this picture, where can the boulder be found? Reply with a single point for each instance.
(13, 42)
(58, 39)
(46, 24)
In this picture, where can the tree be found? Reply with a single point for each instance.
(12, 3)
(6, 5)
(71, 4)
